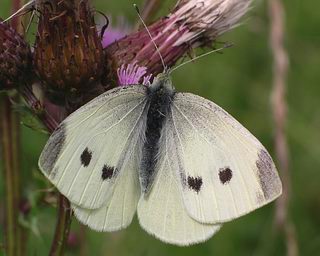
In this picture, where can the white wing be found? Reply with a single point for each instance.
(161, 212)
(86, 156)
(119, 211)
(223, 170)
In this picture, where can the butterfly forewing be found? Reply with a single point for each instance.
(119, 211)
(223, 170)
(86, 155)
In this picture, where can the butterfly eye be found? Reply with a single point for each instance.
(195, 183)
(107, 172)
(225, 175)
(86, 157)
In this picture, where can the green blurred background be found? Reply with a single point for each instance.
(240, 81)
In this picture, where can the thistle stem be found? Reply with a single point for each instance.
(38, 108)
(10, 156)
(10, 140)
(62, 227)
(279, 106)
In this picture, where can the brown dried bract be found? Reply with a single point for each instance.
(68, 51)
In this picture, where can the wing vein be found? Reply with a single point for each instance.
(75, 151)
(90, 177)
(196, 130)
(126, 159)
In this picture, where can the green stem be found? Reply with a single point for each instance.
(64, 215)
(10, 143)
(10, 159)
(62, 227)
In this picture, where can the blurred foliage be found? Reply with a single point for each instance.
(240, 81)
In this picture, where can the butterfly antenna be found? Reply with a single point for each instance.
(227, 45)
(154, 43)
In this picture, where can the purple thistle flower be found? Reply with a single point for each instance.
(132, 73)
(115, 33)
(191, 24)
(73, 67)
(112, 35)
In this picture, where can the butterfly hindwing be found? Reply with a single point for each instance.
(161, 212)
(86, 154)
(223, 170)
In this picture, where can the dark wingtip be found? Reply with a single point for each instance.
(268, 176)
(52, 150)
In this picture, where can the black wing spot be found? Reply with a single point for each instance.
(107, 172)
(86, 157)
(195, 183)
(225, 175)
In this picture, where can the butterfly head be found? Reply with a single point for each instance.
(162, 82)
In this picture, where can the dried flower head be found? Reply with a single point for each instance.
(15, 58)
(191, 24)
(205, 20)
(68, 50)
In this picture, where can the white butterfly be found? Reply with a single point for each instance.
(183, 163)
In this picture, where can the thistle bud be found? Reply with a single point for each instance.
(68, 51)
(15, 58)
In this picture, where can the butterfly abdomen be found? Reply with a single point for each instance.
(159, 106)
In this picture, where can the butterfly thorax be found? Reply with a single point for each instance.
(162, 82)
(159, 95)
